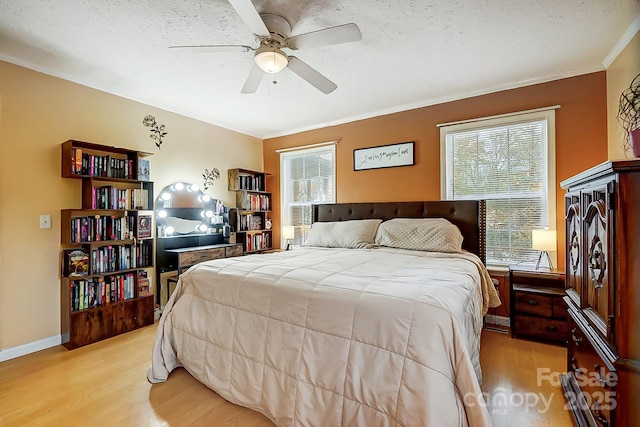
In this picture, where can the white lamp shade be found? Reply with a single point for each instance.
(270, 60)
(288, 232)
(543, 240)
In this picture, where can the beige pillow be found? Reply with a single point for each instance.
(421, 234)
(343, 234)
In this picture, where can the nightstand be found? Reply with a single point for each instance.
(537, 310)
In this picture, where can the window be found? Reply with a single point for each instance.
(307, 177)
(510, 162)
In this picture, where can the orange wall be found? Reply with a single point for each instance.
(581, 141)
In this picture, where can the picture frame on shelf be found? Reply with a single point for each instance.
(144, 226)
(256, 223)
(76, 263)
(143, 169)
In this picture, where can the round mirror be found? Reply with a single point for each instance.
(182, 208)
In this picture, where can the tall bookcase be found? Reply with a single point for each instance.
(107, 244)
(253, 205)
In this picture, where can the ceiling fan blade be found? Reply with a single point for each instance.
(250, 16)
(334, 35)
(314, 78)
(253, 81)
(204, 48)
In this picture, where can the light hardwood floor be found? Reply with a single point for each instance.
(510, 372)
(104, 384)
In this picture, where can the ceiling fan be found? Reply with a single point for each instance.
(274, 33)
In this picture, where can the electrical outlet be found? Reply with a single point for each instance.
(45, 221)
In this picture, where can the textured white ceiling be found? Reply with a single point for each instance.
(413, 52)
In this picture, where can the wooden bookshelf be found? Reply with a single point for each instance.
(245, 179)
(124, 165)
(253, 204)
(114, 229)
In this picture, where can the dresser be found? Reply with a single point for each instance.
(602, 235)
(537, 309)
(179, 252)
(186, 257)
(183, 258)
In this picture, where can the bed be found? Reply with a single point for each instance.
(373, 323)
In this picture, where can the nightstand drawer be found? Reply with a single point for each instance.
(540, 305)
(537, 309)
(541, 328)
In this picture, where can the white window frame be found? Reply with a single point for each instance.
(545, 114)
(307, 150)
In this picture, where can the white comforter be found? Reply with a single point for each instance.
(328, 337)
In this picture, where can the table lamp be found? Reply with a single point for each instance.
(543, 240)
(288, 233)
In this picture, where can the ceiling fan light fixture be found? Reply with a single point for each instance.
(270, 59)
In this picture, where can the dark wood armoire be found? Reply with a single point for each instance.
(602, 226)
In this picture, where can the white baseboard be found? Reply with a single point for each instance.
(498, 320)
(32, 347)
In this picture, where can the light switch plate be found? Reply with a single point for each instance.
(45, 221)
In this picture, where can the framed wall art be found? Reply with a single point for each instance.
(384, 156)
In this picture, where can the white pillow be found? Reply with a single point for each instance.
(422, 234)
(343, 234)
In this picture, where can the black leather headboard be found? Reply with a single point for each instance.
(468, 215)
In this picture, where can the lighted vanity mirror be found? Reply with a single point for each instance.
(182, 208)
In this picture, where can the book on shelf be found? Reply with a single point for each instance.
(82, 287)
(144, 284)
(254, 202)
(77, 161)
(100, 291)
(251, 182)
(76, 263)
(111, 197)
(107, 259)
(100, 166)
(98, 228)
(258, 242)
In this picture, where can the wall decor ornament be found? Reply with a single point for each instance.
(385, 156)
(210, 176)
(629, 117)
(157, 131)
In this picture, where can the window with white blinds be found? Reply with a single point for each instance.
(307, 177)
(509, 162)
